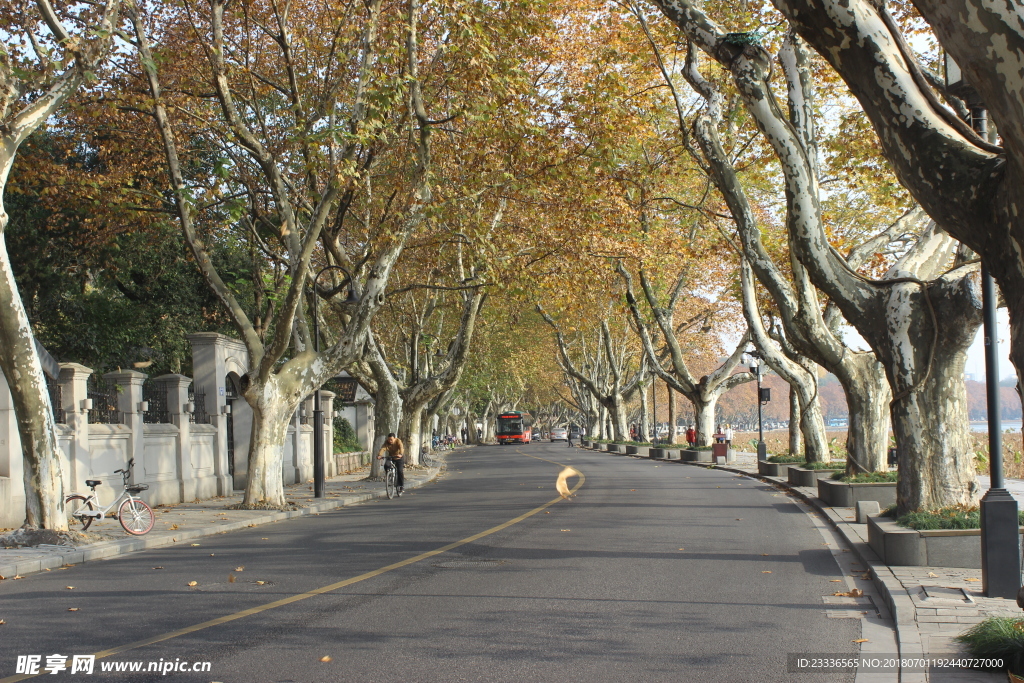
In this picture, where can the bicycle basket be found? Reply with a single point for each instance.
(136, 488)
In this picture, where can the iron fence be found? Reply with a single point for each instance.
(199, 415)
(104, 401)
(56, 392)
(155, 395)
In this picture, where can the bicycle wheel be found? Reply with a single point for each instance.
(135, 516)
(389, 482)
(75, 504)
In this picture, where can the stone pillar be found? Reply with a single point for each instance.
(74, 380)
(176, 388)
(212, 354)
(327, 406)
(129, 396)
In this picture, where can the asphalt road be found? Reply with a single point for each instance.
(652, 572)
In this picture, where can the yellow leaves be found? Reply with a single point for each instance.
(70, 588)
(240, 569)
(325, 659)
(72, 609)
(861, 640)
(192, 584)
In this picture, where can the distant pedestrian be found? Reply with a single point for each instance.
(464, 435)
(728, 434)
(691, 436)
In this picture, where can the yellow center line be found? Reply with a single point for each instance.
(323, 589)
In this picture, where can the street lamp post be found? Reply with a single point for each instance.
(318, 413)
(1000, 538)
(763, 396)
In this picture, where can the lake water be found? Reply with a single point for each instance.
(1008, 426)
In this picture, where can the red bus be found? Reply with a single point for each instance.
(514, 426)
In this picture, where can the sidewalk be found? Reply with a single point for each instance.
(930, 605)
(187, 522)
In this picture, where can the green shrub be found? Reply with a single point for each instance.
(953, 517)
(998, 638)
(834, 465)
(701, 448)
(786, 458)
(345, 439)
(866, 477)
(888, 512)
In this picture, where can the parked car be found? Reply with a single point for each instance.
(535, 437)
(559, 434)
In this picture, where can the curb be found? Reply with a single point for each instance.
(898, 600)
(108, 549)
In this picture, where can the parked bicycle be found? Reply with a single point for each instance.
(135, 516)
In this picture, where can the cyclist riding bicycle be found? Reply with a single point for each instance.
(396, 455)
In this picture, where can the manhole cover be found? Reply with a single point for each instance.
(468, 564)
(943, 594)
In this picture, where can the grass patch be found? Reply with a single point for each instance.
(1000, 638)
(866, 477)
(834, 465)
(954, 517)
(787, 459)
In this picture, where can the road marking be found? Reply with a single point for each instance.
(323, 589)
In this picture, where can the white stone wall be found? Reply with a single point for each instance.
(180, 461)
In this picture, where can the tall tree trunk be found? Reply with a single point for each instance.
(264, 484)
(44, 483)
(645, 416)
(704, 417)
(868, 396)
(671, 415)
(796, 439)
(411, 433)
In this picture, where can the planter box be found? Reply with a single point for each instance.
(841, 494)
(632, 450)
(612, 447)
(902, 547)
(800, 476)
(688, 455)
(584, 443)
(601, 447)
(773, 469)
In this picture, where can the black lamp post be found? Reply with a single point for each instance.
(1000, 538)
(763, 397)
(318, 413)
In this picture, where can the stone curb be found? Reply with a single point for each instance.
(899, 602)
(108, 549)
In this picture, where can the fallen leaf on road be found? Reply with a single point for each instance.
(264, 539)
(157, 567)
(260, 583)
(72, 609)
(739, 519)
(566, 529)
(971, 579)
(239, 569)
(547, 512)
(766, 572)
(193, 583)
(2, 622)
(173, 527)
(18, 576)
(70, 588)
(836, 580)
(632, 489)
(325, 659)
(231, 578)
(562, 484)
(764, 555)
(862, 640)
(933, 575)
(212, 555)
(194, 544)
